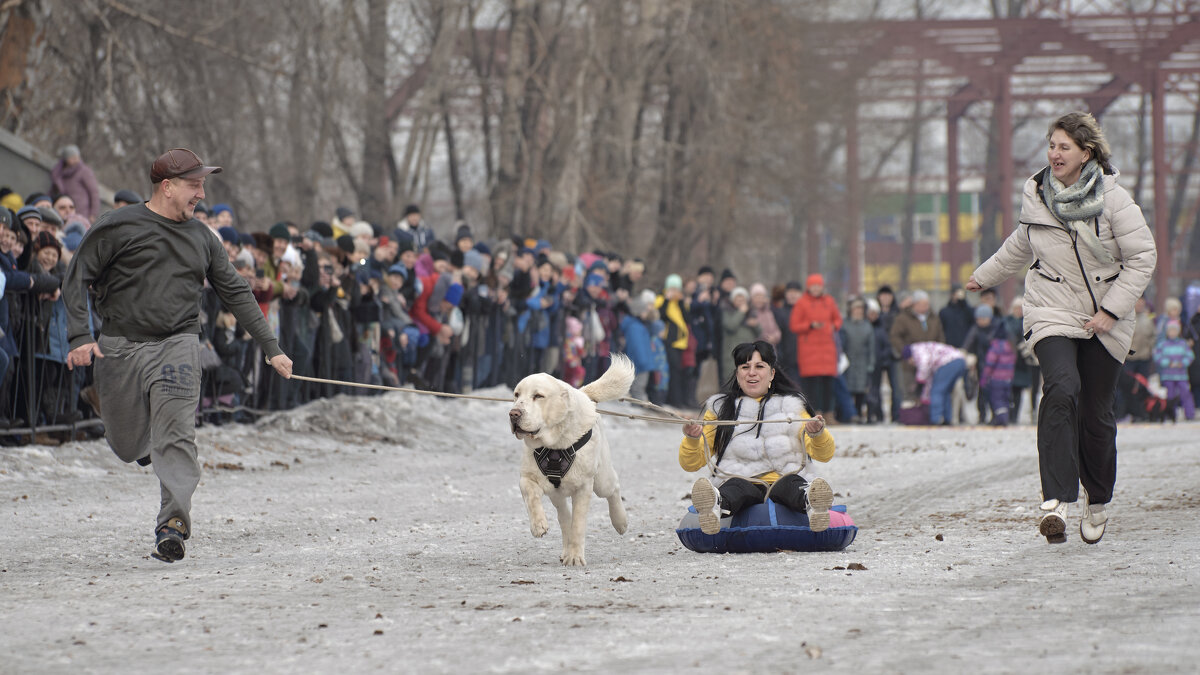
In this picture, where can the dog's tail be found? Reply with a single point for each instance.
(615, 381)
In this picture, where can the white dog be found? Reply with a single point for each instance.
(566, 454)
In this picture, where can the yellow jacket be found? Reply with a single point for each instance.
(672, 312)
(694, 452)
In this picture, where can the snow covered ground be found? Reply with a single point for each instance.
(388, 534)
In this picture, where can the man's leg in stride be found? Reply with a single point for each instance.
(174, 386)
(124, 402)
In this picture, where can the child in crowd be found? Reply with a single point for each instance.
(1173, 356)
(573, 350)
(997, 376)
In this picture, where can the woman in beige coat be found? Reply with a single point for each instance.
(1089, 256)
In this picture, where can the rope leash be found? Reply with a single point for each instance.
(674, 419)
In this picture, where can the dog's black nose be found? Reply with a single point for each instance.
(514, 414)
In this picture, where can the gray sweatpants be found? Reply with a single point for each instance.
(148, 397)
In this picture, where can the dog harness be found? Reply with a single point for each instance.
(554, 463)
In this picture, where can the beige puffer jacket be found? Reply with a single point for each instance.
(1066, 285)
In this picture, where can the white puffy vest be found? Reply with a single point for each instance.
(756, 449)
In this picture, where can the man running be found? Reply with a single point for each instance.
(145, 265)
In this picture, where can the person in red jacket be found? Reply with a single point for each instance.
(815, 320)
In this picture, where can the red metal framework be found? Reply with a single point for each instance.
(1064, 51)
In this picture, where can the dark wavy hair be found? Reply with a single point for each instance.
(726, 406)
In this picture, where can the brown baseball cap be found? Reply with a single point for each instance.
(179, 163)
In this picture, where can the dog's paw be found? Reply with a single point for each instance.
(573, 559)
(539, 526)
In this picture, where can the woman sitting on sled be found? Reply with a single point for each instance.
(751, 461)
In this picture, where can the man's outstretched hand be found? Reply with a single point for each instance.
(82, 355)
(282, 365)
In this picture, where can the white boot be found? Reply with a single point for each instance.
(707, 501)
(1053, 524)
(1095, 519)
(820, 498)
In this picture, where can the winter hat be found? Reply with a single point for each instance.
(814, 280)
(404, 240)
(292, 257)
(1170, 322)
(463, 232)
(758, 289)
(740, 290)
(454, 294)
(727, 274)
(343, 212)
(794, 286)
(200, 208)
(674, 281)
(127, 196)
(28, 212)
(346, 243)
(983, 312)
(558, 259)
(873, 306)
(474, 259)
(280, 231)
(217, 209)
(229, 234)
(320, 227)
(46, 239)
(50, 216)
(76, 224)
(6, 217)
(483, 248)
(12, 201)
(411, 209)
(71, 241)
(593, 280)
(398, 269)
(637, 306)
(361, 229)
(705, 269)
(438, 250)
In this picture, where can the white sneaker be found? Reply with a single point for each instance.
(707, 501)
(820, 498)
(1095, 519)
(1053, 525)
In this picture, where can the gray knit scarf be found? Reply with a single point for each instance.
(1074, 205)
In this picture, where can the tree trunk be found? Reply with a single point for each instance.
(374, 201)
(505, 190)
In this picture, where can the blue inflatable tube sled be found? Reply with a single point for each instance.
(766, 528)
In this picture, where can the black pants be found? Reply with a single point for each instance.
(738, 493)
(677, 382)
(818, 389)
(1077, 432)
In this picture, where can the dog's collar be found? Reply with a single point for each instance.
(554, 463)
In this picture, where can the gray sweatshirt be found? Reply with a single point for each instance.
(147, 274)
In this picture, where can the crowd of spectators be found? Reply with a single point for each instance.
(352, 301)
